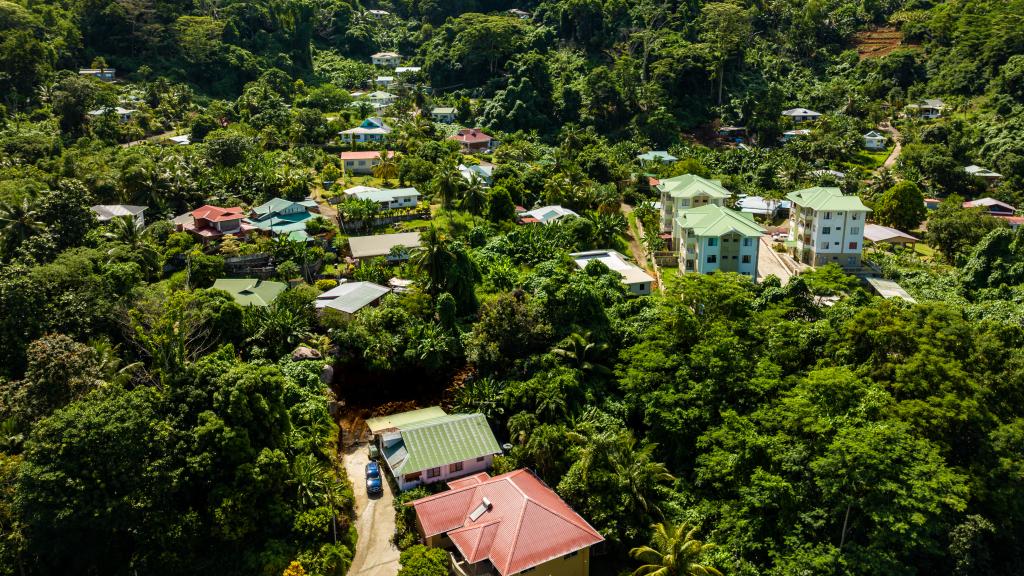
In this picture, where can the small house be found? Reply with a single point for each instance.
(370, 130)
(506, 525)
(443, 114)
(407, 70)
(990, 178)
(659, 156)
(929, 108)
(991, 206)
(213, 222)
(789, 135)
(390, 199)
(386, 59)
(879, 234)
(383, 82)
(361, 162)
(351, 297)
(517, 13)
(874, 140)
(364, 247)
(107, 212)
(123, 114)
(472, 140)
(484, 171)
(380, 99)
(251, 291)
(636, 280)
(799, 115)
(546, 215)
(104, 74)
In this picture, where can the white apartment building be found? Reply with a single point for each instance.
(826, 227)
(713, 238)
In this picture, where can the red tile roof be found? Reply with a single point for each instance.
(471, 136)
(218, 214)
(527, 524)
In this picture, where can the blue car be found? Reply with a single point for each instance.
(374, 483)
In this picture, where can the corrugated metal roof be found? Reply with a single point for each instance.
(826, 198)
(526, 525)
(690, 185)
(392, 421)
(381, 244)
(444, 441)
(351, 297)
(712, 220)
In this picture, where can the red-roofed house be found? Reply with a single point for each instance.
(472, 140)
(506, 525)
(212, 222)
(362, 162)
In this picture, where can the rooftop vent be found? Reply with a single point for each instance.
(484, 506)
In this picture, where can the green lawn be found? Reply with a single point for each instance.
(870, 160)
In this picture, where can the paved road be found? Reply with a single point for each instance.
(770, 262)
(375, 554)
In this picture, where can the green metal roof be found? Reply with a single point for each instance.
(251, 291)
(690, 185)
(659, 155)
(442, 441)
(712, 220)
(381, 423)
(826, 198)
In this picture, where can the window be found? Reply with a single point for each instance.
(825, 245)
(712, 241)
(854, 216)
(684, 203)
(853, 245)
(480, 459)
(434, 472)
(457, 467)
(746, 242)
(746, 259)
(712, 259)
(855, 230)
(826, 230)
(828, 215)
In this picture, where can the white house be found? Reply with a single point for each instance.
(390, 199)
(713, 238)
(384, 81)
(445, 114)
(407, 70)
(793, 134)
(123, 114)
(801, 115)
(386, 59)
(438, 449)
(380, 99)
(361, 161)
(107, 212)
(874, 140)
(826, 227)
(370, 130)
(105, 74)
(634, 277)
(929, 108)
(546, 215)
(484, 171)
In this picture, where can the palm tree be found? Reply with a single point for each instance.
(639, 474)
(606, 228)
(18, 222)
(433, 258)
(578, 351)
(387, 169)
(126, 231)
(447, 183)
(674, 551)
(474, 195)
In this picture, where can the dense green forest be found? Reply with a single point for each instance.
(149, 424)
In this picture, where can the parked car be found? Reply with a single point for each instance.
(374, 483)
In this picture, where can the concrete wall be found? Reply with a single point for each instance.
(469, 467)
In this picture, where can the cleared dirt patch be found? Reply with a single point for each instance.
(879, 42)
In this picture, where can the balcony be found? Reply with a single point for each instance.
(459, 566)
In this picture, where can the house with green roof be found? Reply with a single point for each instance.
(251, 291)
(424, 451)
(287, 217)
(712, 238)
(826, 226)
(688, 191)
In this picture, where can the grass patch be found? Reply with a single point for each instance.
(869, 160)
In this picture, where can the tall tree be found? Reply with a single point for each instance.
(674, 551)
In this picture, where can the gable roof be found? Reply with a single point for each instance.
(690, 185)
(439, 442)
(975, 170)
(874, 135)
(548, 214)
(442, 110)
(394, 421)
(277, 205)
(351, 297)
(385, 54)
(989, 203)
(526, 525)
(251, 291)
(218, 214)
(826, 198)
(614, 260)
(470, 136)
(800, 112)
(364, 155)
(879, 233)
(381, 244)
(106, 212)
(713, 220)
(656, 155)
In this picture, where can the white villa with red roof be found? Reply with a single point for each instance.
(213, 222)
(506, 525)
(362, 161)
(472, 140)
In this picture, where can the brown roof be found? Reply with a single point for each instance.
(527, 523)
(471, 136)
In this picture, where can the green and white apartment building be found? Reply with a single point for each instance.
(826, 227)
(707, 235)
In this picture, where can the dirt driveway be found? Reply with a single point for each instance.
(769, 262)
(375, 521)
